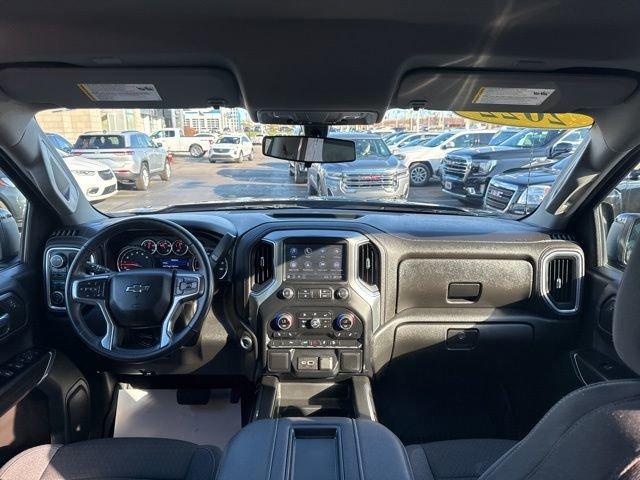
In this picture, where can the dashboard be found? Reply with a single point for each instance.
(319, 294)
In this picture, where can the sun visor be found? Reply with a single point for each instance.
(121, 87)
(511, 92)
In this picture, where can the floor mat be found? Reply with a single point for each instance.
(156, 413)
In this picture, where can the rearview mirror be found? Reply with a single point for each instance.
(309, 149)
(561, 148)
(622, 238)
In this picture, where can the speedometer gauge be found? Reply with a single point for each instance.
(165, 247)
(132, 258)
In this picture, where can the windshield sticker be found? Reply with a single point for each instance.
(120, 92)
(512, 96)
(531, 120)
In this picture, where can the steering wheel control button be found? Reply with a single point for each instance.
(90, 289)
(187, 285)
(287, 293)
(342, 293)
(284, 321)
(57, 261)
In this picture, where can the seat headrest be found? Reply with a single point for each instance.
(626, 316)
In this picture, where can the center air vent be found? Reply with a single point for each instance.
(562, 273)
(65, 232)
(262, 263)
(369, 264)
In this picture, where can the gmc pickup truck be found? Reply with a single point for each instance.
(467, 172)
(174, 140)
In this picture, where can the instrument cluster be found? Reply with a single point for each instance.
(163, 252)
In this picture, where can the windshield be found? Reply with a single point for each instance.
(501, 137)
(439, 140)
(232, 140)
(185, 158)
(532, 138)
(370, 147)
(99, 142)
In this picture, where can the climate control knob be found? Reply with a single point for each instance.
(284, 321)
(345, 321)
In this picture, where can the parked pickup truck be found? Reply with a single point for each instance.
(174, 140)
(466, 173)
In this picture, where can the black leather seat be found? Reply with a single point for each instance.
(115, 458)
(592, 433)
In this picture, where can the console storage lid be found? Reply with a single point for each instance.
(315, 449)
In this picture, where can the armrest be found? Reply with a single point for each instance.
(318, 448)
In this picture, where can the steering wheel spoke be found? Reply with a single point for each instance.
(92, 290)
(186, 287)
(110, 339)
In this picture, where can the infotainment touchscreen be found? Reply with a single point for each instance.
(314, 262)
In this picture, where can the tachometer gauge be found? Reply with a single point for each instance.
(150, 246)
(165, 247)
(132, 258)
(180, 247)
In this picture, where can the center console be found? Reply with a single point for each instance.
(320, 449)
(316, 315)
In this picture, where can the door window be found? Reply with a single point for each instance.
(620, 214)
(13, 213)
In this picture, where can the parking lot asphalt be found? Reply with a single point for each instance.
(197, 180)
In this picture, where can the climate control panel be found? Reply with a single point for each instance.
(315, 342)
(303, 328)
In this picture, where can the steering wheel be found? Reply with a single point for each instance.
(141, 298)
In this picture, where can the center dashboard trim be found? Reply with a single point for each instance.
(352, 240)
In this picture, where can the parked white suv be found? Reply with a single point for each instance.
(132, 155)
(233, 146)
(424, 161)
(95, 179)
(174, 140)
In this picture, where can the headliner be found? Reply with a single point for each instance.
(334, 55)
